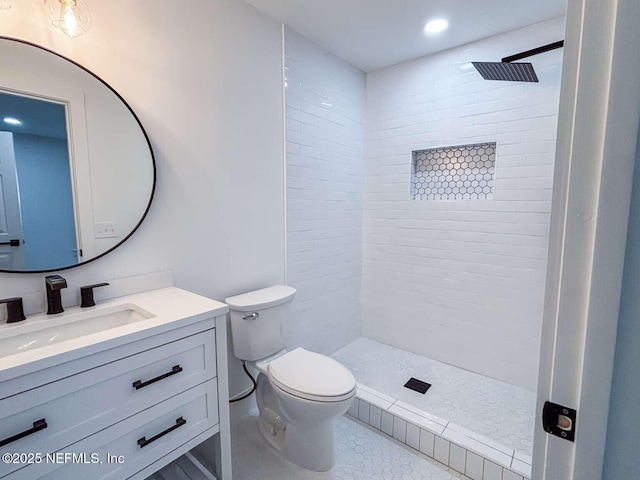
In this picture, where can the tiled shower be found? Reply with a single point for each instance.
(418, 203)
(461, 280)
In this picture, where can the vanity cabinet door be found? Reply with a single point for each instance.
(75, 407)
(129, 446)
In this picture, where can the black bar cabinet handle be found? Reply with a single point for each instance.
(138, 384)
(37, 426)
(143, 442)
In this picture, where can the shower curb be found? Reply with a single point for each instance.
(467, 452)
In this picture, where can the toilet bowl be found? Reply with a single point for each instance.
(299, 393)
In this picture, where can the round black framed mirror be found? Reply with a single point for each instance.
(77, 171)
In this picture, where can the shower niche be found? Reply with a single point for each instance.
(462, 172)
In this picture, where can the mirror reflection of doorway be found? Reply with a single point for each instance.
(36, 133)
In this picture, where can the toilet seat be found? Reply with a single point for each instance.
(311, 376)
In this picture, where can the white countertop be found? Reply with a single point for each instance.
(171, 308)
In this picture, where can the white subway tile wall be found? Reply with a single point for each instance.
(325, 101)
(461, 281)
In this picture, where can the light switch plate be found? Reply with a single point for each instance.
(106, 230)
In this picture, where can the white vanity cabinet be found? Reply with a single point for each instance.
(123, 407)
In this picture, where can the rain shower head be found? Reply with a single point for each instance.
(508, 71)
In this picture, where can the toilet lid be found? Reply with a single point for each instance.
(312, 376)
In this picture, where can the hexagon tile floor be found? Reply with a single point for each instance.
(360, 454)
(503, 412)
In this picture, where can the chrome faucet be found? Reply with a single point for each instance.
(53, 285)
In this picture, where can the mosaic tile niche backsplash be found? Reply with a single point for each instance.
(463, 172)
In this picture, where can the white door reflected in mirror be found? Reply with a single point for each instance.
(11, 249)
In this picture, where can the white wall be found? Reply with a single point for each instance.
(110, 161)
(623, 429)
(461, 281)
(206, 83)
(325, 101)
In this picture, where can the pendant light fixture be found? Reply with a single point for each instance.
(71, 17)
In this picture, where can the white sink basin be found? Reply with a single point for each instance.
(45, 331)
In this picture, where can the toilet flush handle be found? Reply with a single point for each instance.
(252, 316)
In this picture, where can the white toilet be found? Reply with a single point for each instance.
(299, 393)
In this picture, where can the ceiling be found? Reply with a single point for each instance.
(374, 34)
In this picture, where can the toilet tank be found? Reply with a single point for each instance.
(258, 321)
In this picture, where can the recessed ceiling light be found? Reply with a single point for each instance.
(436, 26)
(12, 121)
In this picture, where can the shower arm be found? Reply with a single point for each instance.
(535, 51)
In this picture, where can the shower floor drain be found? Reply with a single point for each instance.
(417, 385)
